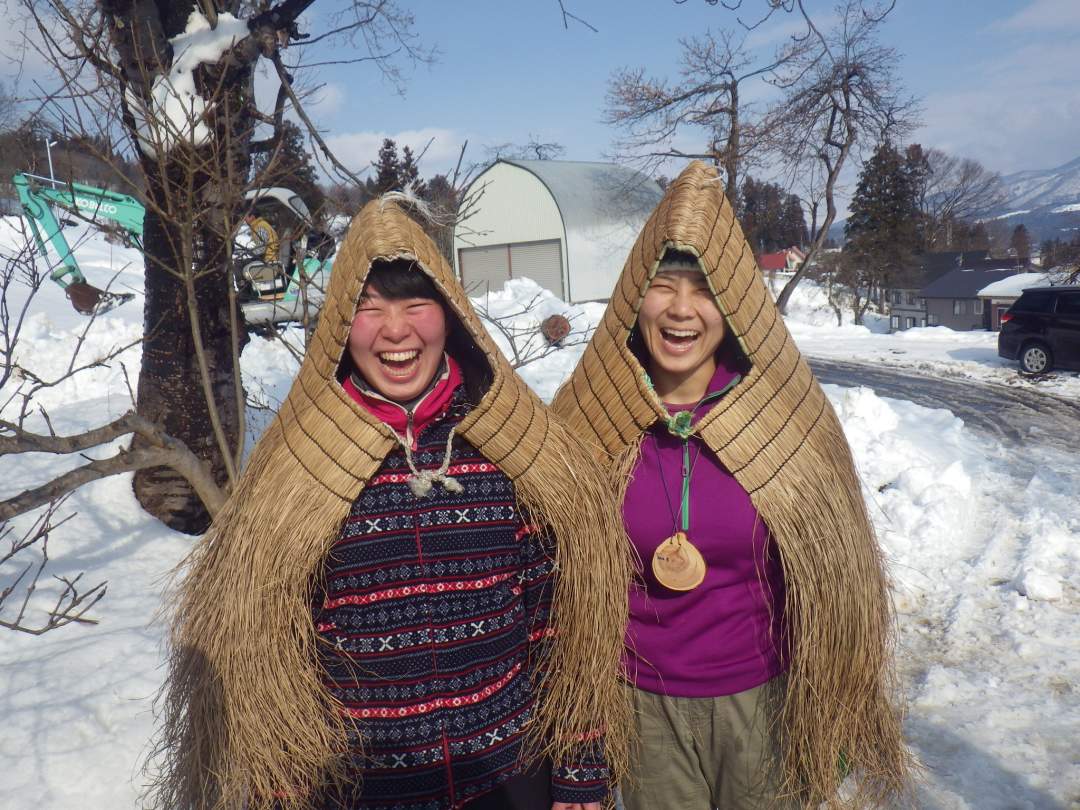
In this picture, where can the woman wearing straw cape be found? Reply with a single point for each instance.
(758, 649)
(415, 598)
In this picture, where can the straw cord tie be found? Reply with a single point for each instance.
(422, 481)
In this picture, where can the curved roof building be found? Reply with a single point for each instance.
(568, 225)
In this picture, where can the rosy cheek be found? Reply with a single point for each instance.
(431, 325)
(363, 328)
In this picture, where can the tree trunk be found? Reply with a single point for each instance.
(170, 390)
(188, 190)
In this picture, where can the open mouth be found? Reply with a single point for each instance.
(680, 338)
(400, 364)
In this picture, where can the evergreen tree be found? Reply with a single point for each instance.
(409, 174)
(882, 232)
(290, 165)
(1020, 243)
(771, 219)
(387, 169)
(793, 230)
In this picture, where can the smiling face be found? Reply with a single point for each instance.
(682, 328)
(397, 344)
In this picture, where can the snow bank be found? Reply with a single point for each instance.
(983, 547)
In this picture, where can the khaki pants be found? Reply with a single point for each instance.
(703, 753)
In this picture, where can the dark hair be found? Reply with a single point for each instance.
(398, 279)
(680, 257)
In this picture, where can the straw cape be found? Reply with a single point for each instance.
(247, 722)
(778, 435)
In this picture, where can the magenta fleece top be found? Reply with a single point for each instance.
(725, 636)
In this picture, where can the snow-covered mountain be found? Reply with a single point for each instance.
(1052, 188)
(1047, 201)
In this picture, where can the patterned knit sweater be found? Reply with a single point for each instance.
(434, 612)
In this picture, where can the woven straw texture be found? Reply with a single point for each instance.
(779, 436)
(246, 722)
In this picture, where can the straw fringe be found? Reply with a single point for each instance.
(245, 719)
(778, 435)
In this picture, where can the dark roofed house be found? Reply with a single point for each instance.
(953, 299)
(907, 305)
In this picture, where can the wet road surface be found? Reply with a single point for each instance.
(1013, 416)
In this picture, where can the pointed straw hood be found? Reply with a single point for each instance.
(247, 722)
(778, 435)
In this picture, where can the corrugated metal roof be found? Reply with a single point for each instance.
(595, 194)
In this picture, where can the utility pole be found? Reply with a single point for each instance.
(48, 151)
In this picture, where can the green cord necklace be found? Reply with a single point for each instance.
(677, 564)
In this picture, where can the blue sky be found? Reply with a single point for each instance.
(995, 78)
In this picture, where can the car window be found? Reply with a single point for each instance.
(1034, 302)
(1069, 304)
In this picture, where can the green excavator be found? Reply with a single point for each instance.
(279, 278)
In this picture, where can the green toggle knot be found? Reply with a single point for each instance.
(681, 424)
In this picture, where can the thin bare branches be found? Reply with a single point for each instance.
(71, 605)
(521, 330)
(567, 17)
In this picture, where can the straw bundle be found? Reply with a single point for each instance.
(779, 436)
(247, 722)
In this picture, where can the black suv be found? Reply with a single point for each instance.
(1042, 329)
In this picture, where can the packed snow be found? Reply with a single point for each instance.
(175, 111)
(982, 544)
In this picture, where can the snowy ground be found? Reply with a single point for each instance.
(982, 544)
(931, 350)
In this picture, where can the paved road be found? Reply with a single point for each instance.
(1013, 416)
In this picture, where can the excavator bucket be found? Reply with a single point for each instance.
(90, 300)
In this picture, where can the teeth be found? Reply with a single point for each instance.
(680, 333)
(399, 357)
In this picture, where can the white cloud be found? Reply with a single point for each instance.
(326, 100)
(1043, 15)
(1020, 110)
(358, 150)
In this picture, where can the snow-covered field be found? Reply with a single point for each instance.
(983, 548)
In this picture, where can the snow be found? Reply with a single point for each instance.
(174, 112)
(982, 545)
(1012, 286)
(1064, 209)
(1012, 214)
(931, 350)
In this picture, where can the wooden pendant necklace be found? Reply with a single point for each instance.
(677, 564)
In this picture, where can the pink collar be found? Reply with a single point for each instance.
(404, 422)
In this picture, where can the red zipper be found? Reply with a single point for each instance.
(449, 770)
(434, 663)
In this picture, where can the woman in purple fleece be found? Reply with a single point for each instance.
(758, 647)
(703, 643)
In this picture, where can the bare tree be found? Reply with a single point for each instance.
(651, 112)
(839, 91)
(954, 189)
(533, 149)
(191, 119)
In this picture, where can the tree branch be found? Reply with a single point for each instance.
(165, 452)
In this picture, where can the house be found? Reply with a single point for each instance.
(1000, 295)
(568, 225)
(906, 306)
(783, 260)
(953, 300)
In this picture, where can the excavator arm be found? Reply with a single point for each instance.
(89, 203)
